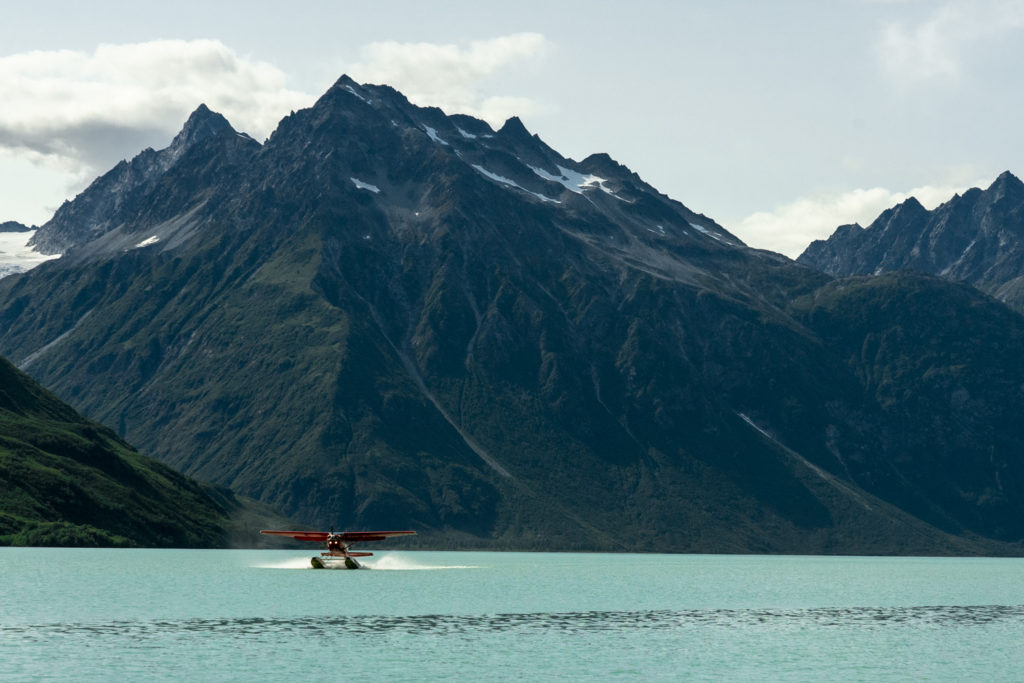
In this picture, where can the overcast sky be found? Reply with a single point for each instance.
(778, 119)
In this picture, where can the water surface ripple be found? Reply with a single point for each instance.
(861, 617)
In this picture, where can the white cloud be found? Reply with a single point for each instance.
(85, 111)
(451, 76)
(789, 228)
(938, 48)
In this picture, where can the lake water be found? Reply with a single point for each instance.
(223, 615)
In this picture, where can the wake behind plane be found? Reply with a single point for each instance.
(338, 555)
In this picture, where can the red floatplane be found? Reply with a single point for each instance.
(338, 556)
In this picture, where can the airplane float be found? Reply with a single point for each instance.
(338, 555)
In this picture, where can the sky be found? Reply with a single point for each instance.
(781, 119)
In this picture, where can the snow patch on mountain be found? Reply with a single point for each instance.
(432, 134)
(365, 186)
(573, 180)
(511, 183)
(146, 242)
(353, 91)
(705, 231)
(948, 269)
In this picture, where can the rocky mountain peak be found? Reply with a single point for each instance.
(514, 128)
(345, 80)
(1007, 186)
(202, 124)
(1008, 178)
(910, 207)
(347, 93)
(116, 197)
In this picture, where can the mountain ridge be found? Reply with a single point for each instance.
(976, 237)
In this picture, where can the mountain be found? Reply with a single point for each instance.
(96, 212)
(976, 238)
(66, 481)
(385, 316)
(14, 226)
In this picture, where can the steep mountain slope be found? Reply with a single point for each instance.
(943, 363)
(66, 481)
(976, 238)
(387, 316)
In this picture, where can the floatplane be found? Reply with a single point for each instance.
(338, 555)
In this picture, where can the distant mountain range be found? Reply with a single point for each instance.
(977, 238)
(14, 226)
(384, 316)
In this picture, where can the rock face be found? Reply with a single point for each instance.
(976, 238)
(389, 317)
(121, 193)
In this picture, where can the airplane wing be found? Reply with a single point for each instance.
(346, 536)
(363, 536)
(315, 536)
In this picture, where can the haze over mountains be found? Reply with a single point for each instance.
(385, 316)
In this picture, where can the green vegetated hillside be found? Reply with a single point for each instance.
(66, 481)
(388, 317)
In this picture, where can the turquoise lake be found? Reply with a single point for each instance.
(236, 615)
